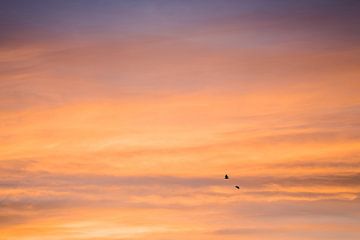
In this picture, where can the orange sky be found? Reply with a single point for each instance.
(118, 121)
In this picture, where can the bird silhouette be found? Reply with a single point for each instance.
(226, 177)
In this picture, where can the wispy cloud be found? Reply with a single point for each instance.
(118, 120)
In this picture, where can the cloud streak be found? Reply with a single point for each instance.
(118, 120)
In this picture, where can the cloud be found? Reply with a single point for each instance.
(121, 117)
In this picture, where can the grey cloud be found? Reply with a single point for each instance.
(19, 173)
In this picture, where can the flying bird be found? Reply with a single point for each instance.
(227, 177)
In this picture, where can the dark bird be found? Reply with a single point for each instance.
(237, 187)
(226, 176)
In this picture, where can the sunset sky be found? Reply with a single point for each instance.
(119, 119)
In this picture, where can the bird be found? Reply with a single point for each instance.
(226, 176)
(237, 187)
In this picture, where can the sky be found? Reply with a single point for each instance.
(119, 119)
